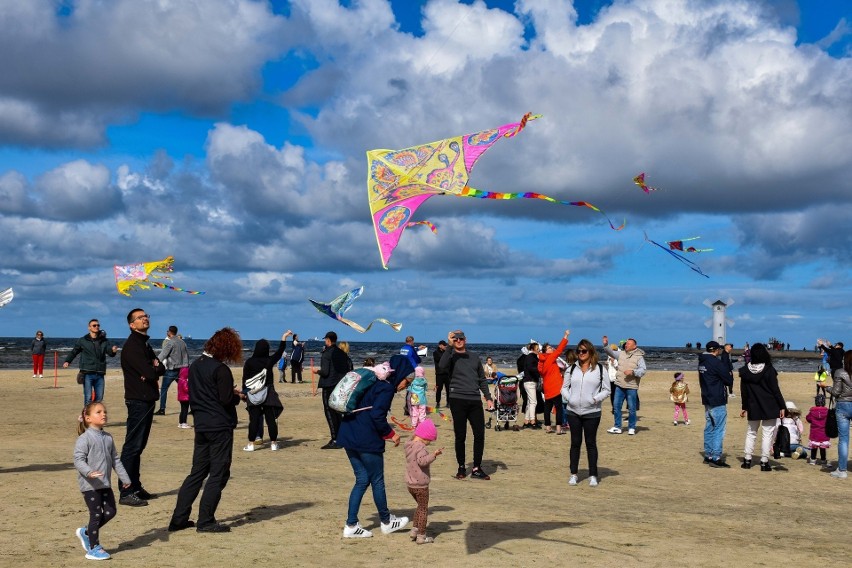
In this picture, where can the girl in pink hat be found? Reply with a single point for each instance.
(417, 476)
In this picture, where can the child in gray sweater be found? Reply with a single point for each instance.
(95, 458)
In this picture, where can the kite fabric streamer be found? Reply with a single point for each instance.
(338, 306)
(143, 275)
(6, 296)
(692, 266)
(399, 181)
(470, 192)
(640, 181)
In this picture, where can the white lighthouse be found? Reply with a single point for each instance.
(719, 320)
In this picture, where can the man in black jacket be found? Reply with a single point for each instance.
(714, 379)
(442, 379)
(141, 391)
(334, 363)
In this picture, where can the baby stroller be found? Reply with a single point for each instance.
(505, 403)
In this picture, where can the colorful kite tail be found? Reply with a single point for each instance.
(176, 289)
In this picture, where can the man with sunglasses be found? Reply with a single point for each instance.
(141, 370)
(93, 349)
(467, 385)
(714, 379)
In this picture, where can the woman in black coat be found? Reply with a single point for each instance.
(261, 365)
(762, 401)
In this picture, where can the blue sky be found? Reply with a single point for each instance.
(232, 134)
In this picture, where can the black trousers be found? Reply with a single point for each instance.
(140, 416)
(584, 426)
(331, 416)
(256, 416)
(442, 382)
(295, 372)
(549, 405)
(464, 412)
(211, 460)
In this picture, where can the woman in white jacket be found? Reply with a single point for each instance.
(585, 385)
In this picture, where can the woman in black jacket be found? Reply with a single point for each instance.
(261, 365)
(762, 401)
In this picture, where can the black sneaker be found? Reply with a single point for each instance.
(330, 446)
(718, 463)
(461, 473)
(477, 473)
(706, 460)
(174, 527)
(142, 494)
(133, 500)
(746, 464)
(161, 412)
(214, 528)
(764, 466)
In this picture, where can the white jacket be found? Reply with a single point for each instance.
(584, 392)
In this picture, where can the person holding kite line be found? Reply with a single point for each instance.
(261, 365)
(551, 378)
(334, 363)
(93, 349)
(631, 368)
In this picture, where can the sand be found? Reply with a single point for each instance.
(657, 504)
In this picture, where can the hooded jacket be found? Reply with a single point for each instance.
(714, 378)
(366, 431)
(551, 374)
(816, 417)
(584, 392)
(841, 388)
(260, 360)
(93, 353)
(761, 395)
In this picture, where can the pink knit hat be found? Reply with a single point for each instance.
(419, 372)
(426, 430)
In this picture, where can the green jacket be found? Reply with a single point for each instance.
(94, 352)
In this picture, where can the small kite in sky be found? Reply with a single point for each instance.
(6, 296)
(678, 245)
(399, 181)
(338, 306)
(640, 181)
(143, 275)
(683, 259)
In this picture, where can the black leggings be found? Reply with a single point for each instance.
(442, 382)
(465, 411)
(101, 504)
(549, 404)
(256, 415)
(584, 426)
(821, 453)
(184, 411)
(331, 416)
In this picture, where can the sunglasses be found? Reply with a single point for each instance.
(459, 339)
(582, 350)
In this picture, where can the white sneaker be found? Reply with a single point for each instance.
(394, 524)
(35, 376)
(273, 446)
(838, 474)
(356, 532)
(614, 430)
(675, 422)
(593, 481)
(631, 432)
(249, 447)
(573, 480)
(41, 376)
(687, 422)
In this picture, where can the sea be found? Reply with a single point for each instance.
(15, 353)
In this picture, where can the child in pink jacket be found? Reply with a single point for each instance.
(817, 437)
(417, 476)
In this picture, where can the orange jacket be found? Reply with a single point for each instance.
(551, 374)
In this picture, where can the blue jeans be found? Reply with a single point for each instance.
(632, 396)
(93, 381)
(369, 470)
(844, 414)
(168, 378)
(716, 418)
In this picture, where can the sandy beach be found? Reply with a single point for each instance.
(657, 504)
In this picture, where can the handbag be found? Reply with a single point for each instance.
(81, 377)
(831, 421)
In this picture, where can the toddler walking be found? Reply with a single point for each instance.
(817, 437)
(417, 397)
(679, 395)
(95, 458)
(183, 397)
(417, 476)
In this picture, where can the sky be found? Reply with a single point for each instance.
(231, 134)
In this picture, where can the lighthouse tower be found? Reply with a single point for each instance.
(719, 320)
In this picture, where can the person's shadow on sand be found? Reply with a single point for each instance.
(482, 535)
(44, 467)
(255, 515)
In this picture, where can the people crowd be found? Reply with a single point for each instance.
(570, 394)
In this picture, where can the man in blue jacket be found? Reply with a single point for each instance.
(714, 379)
